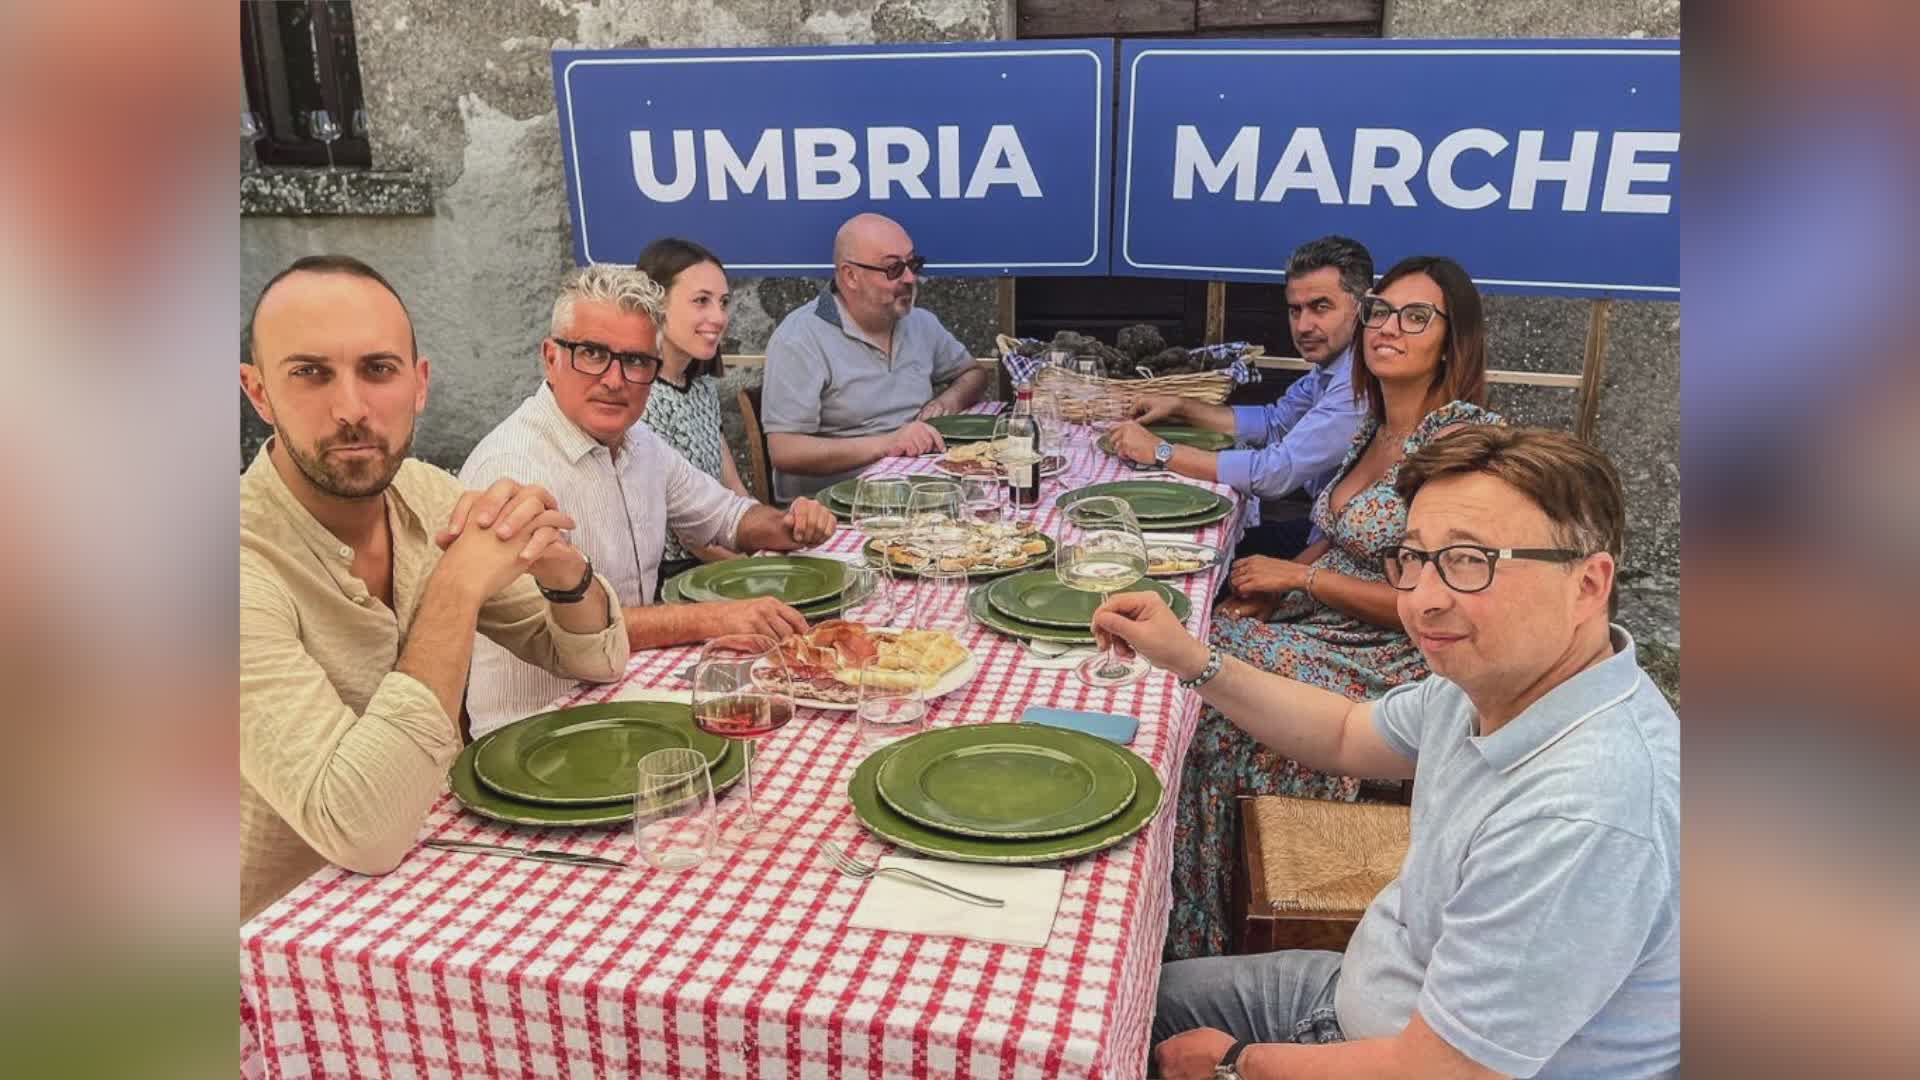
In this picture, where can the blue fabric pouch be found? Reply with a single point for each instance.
(1107, 726)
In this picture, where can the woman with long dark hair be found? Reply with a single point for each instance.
(684, 408)
(1327, 616)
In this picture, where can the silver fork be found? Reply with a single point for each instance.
(854, 868)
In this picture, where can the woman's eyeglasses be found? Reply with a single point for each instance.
(1414, 318)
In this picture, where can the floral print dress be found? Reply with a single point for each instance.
(1314, 644)
(689, 420)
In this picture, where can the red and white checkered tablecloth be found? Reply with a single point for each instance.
(456, 965)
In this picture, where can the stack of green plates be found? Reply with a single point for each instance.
(808, 583)
(578, 766)
(1159, 504)
(1038, 606)
(1198, 438)
(839, 497)
(964, 427)
(1005, 793)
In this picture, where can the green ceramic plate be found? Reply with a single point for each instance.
(1039, 597)
(791, 579)
(1152, 500)
(1007, 781)
(872, 550)
(824, 609)
(890, 825)
(983, 613)
(488, 803)
(964, 427)
(586, 754)
(1190, 436)
(1198, 521)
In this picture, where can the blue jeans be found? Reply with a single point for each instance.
(1282, 996)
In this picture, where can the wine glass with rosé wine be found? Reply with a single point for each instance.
(738, 693)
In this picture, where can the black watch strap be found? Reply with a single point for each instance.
(573, 595)
(1226, 1066)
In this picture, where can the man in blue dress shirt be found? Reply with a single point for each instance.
(1299, 440)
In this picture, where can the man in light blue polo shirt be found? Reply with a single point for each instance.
(850, 375)
(1534, 929)
(1297, 442)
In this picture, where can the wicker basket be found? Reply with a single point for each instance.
(1211, 387)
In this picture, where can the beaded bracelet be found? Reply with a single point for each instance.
(1214, 660)
(1311, 571)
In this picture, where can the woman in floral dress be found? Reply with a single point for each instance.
(1327, 616)
(684, 408)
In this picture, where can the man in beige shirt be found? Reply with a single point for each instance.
(364, 576)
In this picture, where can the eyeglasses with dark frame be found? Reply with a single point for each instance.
(1414, 318)
(593, 358)
(1464, 568)
(894, 269)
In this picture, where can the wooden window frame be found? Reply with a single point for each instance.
(277, 86)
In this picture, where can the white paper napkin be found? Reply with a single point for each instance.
(1032, 896)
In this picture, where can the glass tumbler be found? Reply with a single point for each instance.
(673, 817)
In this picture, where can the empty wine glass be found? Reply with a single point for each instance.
(1101, 551)
(892, 705)
(982, 500)
(739, 693)
(322, 125)
(940, 599)
(673, 827)
(869, 593)
(933, 516)
(880, 507)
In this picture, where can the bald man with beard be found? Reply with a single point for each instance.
(850, 376)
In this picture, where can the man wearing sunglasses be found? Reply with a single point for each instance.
(850, 375)
(1534, 927)
(579, 436)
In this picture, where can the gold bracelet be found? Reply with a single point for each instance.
(1311, 571)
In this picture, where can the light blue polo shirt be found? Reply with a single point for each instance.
(1536, 921)
(825, 377)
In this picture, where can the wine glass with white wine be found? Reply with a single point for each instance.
(1101, 551)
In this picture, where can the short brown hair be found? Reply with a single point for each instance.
(1462, 375)
(1575, 485)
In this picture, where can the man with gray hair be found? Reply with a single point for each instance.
(579, 437)
(850, 375)
(1300, 439)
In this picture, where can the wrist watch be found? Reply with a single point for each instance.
(1226, 1070)
(573, 595)
(1163, 454)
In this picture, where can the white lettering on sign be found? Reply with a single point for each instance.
(1368, 173)
(831, 163)
(1576, 172)
(648, 178)
(1440, 168)
(1624, 168)
(1390, 160)
(724, 165)
(818, 152)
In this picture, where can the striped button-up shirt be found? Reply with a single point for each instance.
(622, 506)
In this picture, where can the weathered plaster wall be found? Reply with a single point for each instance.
(1639, 421)
(462, 92)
